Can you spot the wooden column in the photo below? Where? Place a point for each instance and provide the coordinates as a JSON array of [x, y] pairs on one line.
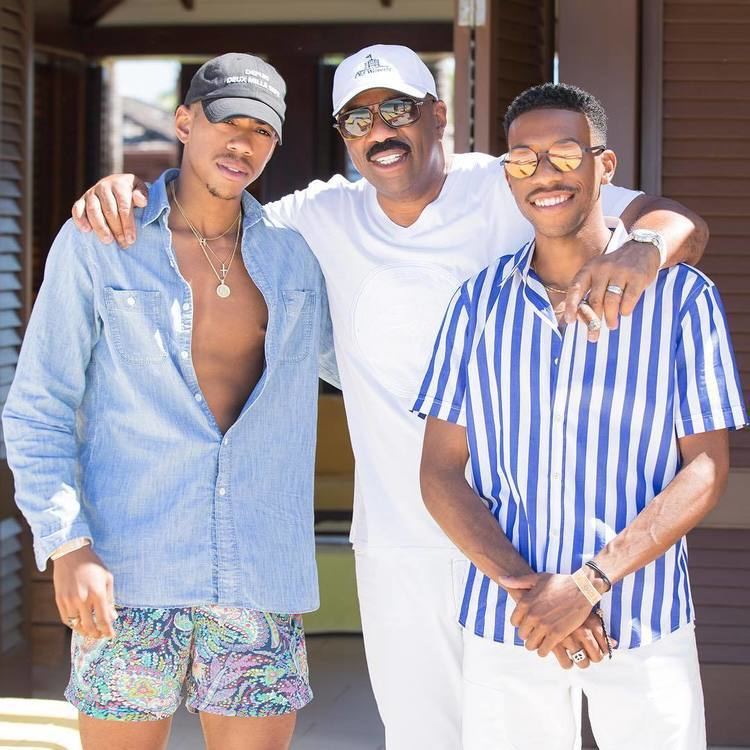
[[615, 77], [293, 165]]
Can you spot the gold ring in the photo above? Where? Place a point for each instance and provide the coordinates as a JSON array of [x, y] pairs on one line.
[[73, 622]]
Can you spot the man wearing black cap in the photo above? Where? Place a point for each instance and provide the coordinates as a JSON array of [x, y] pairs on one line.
[[137, 429], [236, 85]]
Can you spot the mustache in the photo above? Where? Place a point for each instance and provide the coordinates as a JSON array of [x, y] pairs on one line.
[[550, 189], [235, 159], [388, 145]]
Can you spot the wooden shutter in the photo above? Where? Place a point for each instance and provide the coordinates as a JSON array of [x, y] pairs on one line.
[[15, 83], [706, 150], [502, 47], [15, 87]]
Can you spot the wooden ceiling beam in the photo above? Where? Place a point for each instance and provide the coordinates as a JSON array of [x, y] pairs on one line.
[[90, 12], [308, 39]]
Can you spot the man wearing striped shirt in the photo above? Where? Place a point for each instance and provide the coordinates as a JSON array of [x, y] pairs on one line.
[[588, 463]]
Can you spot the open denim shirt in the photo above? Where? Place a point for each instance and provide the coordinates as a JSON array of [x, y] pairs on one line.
[[109, 436]]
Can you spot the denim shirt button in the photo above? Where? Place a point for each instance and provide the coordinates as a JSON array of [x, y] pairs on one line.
[[198, 397], [222, 491], [186, 306]]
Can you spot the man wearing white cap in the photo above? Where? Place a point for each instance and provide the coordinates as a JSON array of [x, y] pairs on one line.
[[393, 248]]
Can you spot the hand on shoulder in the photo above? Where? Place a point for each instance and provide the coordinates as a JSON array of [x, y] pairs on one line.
[[107, 208]]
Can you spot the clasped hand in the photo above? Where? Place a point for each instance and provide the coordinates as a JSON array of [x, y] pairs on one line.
[[553, 616]]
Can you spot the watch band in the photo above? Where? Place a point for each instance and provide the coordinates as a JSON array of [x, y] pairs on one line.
[[654, 238]]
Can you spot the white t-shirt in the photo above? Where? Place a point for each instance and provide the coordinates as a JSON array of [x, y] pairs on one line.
[[388, 288]]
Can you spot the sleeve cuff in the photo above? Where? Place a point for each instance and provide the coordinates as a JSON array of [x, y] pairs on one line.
[[74, 544], [733, 417], [45, 546], [439, 410]]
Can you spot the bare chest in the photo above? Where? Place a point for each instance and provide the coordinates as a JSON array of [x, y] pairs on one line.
[[228, 332]]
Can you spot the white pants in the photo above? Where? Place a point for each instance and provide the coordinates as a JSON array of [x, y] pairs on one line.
[[648, 698], [409, 599]]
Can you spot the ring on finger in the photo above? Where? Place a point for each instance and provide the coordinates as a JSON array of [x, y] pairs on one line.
[[615, 289], [577, 656], [73, 622], [588, 316]]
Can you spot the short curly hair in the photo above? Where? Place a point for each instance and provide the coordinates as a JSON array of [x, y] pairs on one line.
[[559, 96]]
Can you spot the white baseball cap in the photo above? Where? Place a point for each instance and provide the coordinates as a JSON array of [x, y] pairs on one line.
[[382, 66]]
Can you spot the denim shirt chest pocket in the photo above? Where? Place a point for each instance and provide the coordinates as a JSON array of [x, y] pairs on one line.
[[136, 323], [296, 330]]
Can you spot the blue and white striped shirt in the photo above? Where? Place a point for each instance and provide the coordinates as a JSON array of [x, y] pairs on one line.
[[570, 440]]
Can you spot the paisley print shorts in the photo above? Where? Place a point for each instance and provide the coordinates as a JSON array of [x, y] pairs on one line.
[[226, 660]]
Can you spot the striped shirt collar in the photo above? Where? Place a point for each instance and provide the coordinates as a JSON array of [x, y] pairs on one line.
[[521, 263]]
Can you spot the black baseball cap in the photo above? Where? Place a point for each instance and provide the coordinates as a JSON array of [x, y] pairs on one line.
[[239, 85]]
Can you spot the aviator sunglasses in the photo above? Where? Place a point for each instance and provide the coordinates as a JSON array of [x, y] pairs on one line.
[[564, 156], [396, 113]]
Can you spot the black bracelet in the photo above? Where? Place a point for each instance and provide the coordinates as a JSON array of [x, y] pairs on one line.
[[600, 615], [600, 573]]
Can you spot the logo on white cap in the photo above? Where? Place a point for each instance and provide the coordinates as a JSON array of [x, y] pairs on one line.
[[372, 65]]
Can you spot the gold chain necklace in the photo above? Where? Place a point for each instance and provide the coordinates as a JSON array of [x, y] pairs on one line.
[[195, 231], [551, 288], [222, 289]]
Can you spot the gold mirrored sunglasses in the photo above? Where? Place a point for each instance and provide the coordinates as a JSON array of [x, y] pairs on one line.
[[565, 156]]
